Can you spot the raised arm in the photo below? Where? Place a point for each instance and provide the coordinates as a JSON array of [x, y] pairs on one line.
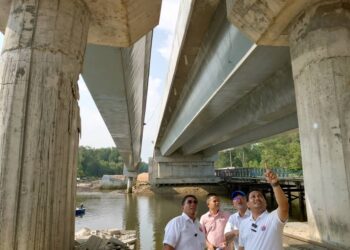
[[281, 199]]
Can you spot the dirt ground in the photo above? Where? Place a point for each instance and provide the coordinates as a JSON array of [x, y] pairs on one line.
[[88, 186], [200, 190]]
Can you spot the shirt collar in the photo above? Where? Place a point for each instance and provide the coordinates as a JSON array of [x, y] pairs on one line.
[[260, 216], [186, 217], [214, 215], [247, 213]]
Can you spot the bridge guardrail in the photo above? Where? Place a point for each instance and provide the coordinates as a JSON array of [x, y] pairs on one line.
[[257, 172]]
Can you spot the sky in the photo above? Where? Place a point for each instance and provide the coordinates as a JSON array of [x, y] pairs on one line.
[[94, 131]]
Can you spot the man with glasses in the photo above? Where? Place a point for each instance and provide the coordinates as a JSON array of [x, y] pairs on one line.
[[213, 223], [263, 230], [239, 202], [184, 231]]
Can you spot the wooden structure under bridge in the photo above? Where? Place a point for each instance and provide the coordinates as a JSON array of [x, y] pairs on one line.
[[248, 179]]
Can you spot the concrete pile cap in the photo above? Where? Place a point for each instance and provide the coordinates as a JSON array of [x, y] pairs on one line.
[[118, 23], [265, 22]]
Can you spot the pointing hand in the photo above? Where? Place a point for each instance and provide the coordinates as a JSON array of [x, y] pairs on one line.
[[271, 177]]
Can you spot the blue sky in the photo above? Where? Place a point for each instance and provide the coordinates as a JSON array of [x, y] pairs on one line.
[[94, 131]]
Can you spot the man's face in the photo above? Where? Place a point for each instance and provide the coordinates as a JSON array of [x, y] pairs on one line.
[[190, 207], [239, 202], [256, 201], [214, 203]]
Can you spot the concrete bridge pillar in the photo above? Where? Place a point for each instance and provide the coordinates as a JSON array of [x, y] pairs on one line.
[[320, 50], [180, 169], [40, 63], [131, 178], [318, 33], [129, 184]]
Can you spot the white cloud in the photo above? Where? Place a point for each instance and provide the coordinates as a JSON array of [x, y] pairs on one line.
[[165, 49], [154, 99], [168, 15], [94, 131], [82, 87], [166, 27], [167, 23]]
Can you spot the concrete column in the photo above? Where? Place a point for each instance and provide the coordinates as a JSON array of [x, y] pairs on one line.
[[39, 122], [180, 169], [320, 51], [129, 184], [131, 177]]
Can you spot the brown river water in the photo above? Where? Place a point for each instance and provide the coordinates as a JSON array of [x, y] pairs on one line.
[[148, 214]]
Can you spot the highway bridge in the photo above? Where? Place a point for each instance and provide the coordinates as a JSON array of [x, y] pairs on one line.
[[240, 70], [244, 70]]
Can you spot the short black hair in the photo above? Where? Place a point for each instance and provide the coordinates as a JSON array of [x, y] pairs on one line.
[[186, 197], [210, 195]]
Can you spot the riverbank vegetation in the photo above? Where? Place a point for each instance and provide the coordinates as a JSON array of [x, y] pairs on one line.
[[281, 151], [96, 162]]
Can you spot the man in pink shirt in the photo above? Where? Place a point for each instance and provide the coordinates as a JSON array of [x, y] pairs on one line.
[[213, 223]]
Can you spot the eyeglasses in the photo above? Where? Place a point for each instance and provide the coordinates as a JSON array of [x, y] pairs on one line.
[[191, 201], [254, 227]]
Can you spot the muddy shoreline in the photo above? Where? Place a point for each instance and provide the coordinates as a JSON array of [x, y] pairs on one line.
[[200, 190], [144, 188]]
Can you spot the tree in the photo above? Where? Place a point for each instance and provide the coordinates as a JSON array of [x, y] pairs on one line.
[[143, 168], [97, 162], [283, 151], [280, 151]]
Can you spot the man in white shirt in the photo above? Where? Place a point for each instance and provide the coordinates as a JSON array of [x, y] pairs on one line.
[[184, 231], [239, 202], [263, 230]]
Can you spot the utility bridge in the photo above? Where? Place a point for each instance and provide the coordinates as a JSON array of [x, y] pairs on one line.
[[240, 70]]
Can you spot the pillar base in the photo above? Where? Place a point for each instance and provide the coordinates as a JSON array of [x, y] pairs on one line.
[[181, 170], [131, 177], [320, 51]]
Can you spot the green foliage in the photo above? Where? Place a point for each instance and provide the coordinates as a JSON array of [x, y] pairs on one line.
[[97, 162], [143, 168], [228, 159], [281, 151]]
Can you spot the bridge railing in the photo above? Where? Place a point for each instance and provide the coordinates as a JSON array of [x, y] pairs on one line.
[[256, 173]]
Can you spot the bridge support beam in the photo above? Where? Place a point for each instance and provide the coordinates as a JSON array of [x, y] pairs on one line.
[[179, 170], [131, 179], [320, 51], [40, 63], [318, 33], [129, 184]]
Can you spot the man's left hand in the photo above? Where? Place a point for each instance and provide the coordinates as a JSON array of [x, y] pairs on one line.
[[271, 177]]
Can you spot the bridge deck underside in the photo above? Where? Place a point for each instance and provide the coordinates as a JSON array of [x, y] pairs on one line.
[[231, 95]]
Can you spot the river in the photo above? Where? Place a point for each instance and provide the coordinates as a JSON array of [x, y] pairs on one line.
[[148, 214]]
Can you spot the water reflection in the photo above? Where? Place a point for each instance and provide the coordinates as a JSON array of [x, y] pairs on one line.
[[147, 214], [103, 210]]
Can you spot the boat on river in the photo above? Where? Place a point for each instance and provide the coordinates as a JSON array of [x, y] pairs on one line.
[[80, 211]]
